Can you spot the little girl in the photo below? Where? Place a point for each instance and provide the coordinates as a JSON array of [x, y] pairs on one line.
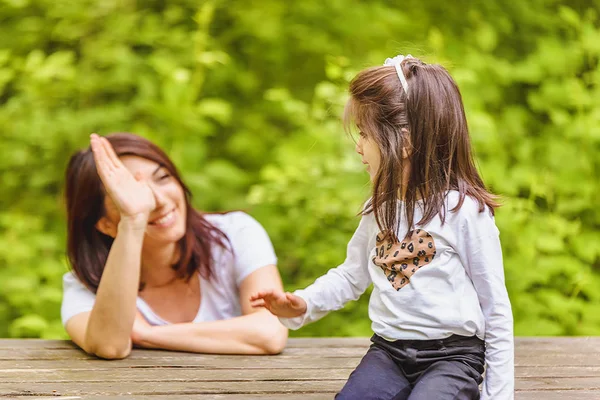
[[427, 241]]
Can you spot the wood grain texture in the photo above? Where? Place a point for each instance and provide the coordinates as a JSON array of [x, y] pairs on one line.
[[311, 369]]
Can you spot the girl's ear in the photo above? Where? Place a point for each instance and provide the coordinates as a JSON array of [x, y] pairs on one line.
[[407, 148], [104, 225]]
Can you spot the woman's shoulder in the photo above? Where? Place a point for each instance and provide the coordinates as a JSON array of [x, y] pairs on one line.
[[230, 221], [71, 283], [236, 225], [249, 241], [70, 279]]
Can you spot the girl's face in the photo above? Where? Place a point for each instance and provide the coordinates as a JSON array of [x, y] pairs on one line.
[[370, 154], [167, 222]]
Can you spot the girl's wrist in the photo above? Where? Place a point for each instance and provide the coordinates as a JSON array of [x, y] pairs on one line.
[[304, 307]]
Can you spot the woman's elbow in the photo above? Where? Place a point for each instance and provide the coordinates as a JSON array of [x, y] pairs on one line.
[[275, 340], [111, 352]]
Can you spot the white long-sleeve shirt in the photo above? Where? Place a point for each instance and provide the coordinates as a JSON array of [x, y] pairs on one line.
[[443, 280]]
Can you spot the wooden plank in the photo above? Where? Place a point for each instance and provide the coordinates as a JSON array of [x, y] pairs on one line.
[[591, 360], [281, 361], [170, 375], [65, 377], [139, 354], [330, 342], [527, 395], [556, 383], [542, 386], [35, 344], [236, 374], [165, 388], [552, 340], [292, 343], [555, 371], [558, 395], [265, 396], [523, 356], [213, 362], [534, 395]]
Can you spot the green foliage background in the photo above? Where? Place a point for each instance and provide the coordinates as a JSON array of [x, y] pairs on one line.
[[246, 98]]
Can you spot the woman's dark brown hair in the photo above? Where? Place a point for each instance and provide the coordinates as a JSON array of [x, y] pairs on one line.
[[436, 137], [88, 248]]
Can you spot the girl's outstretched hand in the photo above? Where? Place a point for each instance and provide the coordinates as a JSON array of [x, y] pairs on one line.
[[133, 197], [285, 305]]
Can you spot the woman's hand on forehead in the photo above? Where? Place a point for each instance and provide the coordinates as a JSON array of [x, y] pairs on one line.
[[132, 196]]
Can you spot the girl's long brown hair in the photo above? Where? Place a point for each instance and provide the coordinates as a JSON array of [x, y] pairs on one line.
[[88, 248], [436, 137]]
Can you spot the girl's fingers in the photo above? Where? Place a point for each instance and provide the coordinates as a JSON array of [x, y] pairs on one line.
[[293, 299], [258, 303], [258, 295], [269, 298], [264, 294]]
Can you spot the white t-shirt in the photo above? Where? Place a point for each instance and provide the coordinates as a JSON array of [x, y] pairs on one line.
[[220, 297], [443, 280]]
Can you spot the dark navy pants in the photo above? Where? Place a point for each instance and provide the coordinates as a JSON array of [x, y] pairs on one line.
[[446, 369]]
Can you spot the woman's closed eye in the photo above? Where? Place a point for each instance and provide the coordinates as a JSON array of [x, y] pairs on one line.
[[162, 176]]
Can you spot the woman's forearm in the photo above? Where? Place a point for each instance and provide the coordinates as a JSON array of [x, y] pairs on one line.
[[256, 333], [109, 327]]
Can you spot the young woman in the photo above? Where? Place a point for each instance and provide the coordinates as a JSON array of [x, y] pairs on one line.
[[427, 241], [150, 270]]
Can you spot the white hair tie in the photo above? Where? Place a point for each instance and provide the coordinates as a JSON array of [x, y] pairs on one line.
[[396, 61]]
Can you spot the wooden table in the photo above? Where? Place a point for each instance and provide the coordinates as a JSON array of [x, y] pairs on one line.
[[309, 369]]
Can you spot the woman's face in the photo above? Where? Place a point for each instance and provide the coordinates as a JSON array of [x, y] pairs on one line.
[[167, 222]]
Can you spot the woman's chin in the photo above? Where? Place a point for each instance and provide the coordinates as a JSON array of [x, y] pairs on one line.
[[165, 236]]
